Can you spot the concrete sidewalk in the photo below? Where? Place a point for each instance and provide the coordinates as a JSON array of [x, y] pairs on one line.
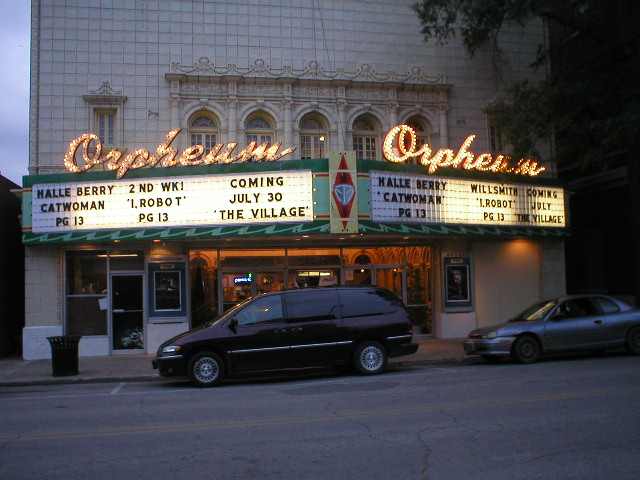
[[15, 371]]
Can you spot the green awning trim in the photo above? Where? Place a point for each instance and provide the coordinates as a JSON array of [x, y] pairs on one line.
[[311, 228], [368, 227]]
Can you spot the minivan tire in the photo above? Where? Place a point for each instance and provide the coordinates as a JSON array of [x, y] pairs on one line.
[[370, 358], [205, 369]]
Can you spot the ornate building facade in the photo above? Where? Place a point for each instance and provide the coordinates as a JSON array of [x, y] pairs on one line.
[[323, 79]]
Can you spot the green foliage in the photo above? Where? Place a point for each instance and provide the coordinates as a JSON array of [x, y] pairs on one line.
[[588, 100], [478, 20]]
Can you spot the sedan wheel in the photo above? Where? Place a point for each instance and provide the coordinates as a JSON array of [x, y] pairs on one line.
[[632, 343], [526, 350], [205, 369], [370, 358]]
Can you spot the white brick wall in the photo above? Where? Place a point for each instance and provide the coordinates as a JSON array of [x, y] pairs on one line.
[[42, 287], [43, 301]]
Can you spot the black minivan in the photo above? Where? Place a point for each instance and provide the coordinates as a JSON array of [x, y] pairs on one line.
[[318, 326]]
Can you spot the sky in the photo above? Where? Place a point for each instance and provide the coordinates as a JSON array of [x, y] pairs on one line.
[[14, 89]]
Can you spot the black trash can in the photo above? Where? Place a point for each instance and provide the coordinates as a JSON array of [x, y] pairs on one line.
[[64, 355]]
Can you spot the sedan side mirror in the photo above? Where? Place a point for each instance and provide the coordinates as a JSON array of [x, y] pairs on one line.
[[559, 316]]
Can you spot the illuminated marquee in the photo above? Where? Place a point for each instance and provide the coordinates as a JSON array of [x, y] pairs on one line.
[[165, 155], [412, 198], [400, 145], [189, 201]]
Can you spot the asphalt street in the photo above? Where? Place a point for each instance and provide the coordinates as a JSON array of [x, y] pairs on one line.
[[574, 417]]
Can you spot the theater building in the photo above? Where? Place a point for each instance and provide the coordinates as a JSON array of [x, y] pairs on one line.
[[187, 156]]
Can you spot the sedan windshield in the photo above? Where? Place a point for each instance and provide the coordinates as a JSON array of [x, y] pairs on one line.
[[535, 312]]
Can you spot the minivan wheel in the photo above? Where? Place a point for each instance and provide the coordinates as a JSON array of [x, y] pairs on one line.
[[370, 358], [632, 343], [205, 369]]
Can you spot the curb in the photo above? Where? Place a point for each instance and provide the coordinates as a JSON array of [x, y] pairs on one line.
[[72, 380]]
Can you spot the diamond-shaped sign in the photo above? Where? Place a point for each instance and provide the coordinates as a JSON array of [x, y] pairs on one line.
[[344, 193]]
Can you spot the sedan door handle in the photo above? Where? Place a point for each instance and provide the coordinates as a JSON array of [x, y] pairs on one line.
[[280, 330], [597, 321], [297, 329]]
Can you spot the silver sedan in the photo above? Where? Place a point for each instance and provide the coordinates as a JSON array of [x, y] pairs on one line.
[[572, 322]]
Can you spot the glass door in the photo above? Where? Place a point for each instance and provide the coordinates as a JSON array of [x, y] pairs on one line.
[[358, 276], [388, 276], [419, 299], [127, 312], [392, 278]]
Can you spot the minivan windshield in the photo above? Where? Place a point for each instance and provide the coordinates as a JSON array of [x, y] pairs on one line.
[[535, 312], [229, 313]]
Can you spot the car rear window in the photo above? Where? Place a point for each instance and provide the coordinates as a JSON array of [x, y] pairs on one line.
[[361, 302], [312, 305], [606, 305], [578, 307]]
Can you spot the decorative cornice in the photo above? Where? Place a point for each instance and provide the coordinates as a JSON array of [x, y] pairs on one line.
[[312, 71], [105, 88], [105, 94]]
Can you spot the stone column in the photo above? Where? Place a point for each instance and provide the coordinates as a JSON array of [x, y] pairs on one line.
[[287, 105], [392, 107], [174, 100], [444, 131], [342, 119], [175, 113], [232, 115]]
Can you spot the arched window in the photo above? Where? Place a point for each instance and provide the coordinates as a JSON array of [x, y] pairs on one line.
[[203, 130], [313, 137], [362, 259], [366, 137], [259, 128], [422, 128]]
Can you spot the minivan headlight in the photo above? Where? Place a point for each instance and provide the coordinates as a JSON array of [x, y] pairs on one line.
[[170, 349], [491, 335]]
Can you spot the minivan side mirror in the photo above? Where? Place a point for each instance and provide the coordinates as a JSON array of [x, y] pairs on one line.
[[233, 324]]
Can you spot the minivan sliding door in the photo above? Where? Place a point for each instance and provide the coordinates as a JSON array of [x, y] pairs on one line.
[[314, 326]]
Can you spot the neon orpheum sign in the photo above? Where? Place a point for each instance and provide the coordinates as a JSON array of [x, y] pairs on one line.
[[400, 144], [165, 155]]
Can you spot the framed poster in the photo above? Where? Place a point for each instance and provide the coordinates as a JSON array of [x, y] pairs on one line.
[[167, 294], [167, 287], [457, 285]]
